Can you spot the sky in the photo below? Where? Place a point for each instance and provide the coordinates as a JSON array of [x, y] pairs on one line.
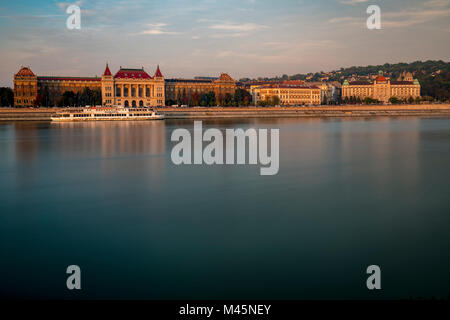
[[245, 38]]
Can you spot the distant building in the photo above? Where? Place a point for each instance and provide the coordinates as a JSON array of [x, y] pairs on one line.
[[382, 88], [289, 95], [178, 90]]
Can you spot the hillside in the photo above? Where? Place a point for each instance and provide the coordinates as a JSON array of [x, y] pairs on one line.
[[434, 76]]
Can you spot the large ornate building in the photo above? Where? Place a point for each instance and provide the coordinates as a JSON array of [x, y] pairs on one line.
[[29, 88], [180, 90], [132, 88], [382, 89], [128, 87], [289, 95]]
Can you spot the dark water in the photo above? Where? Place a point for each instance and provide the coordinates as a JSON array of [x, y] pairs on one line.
[[105, 196]]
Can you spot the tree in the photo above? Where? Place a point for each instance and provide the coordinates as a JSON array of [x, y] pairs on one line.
[[394, 100], [242, 97], [6, 97], [204, 100], [229, 100], [212, 99], [194, 99], [275, 101]]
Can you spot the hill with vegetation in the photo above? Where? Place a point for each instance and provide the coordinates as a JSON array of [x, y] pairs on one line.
[[434, 76]]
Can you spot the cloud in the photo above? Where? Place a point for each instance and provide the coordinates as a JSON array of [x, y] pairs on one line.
[[234, 30], [65, 5], [157, 29], [352, 2], [426, 12], [245, 27]]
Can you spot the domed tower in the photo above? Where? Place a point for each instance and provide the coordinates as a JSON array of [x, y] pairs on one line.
[[25, 88], [108, 96], [408, 77]]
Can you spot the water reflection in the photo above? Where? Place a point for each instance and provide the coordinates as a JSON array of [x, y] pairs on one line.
[[111, 138], [350, 192]]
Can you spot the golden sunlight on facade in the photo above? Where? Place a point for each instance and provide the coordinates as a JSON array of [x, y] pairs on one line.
[[132, 88], [382, 89], [178, 90], [289, 95]]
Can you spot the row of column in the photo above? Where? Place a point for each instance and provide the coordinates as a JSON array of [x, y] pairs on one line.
[[121, 89]]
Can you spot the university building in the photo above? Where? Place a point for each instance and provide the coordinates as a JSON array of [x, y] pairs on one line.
[[28, 87], [382, 88], [128, 87], [289, 95], [180, 90], [132, 88]]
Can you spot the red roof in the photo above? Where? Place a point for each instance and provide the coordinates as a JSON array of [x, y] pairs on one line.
[[225, 77], [25, 72], [132, 74], [51, 78], [287, 86], [294, 82], [158, 73], [381, 78], [402, 82], [107, 71]]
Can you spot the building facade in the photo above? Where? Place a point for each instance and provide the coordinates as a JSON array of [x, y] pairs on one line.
[[128, 87], [25, 87], [289, 95], [179, 91], [132, 88], [382, 89]]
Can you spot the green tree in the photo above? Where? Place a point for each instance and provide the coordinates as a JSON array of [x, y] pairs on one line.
[[6, 97], [212, 99], [394, 100], [242, 97], [275, 101]]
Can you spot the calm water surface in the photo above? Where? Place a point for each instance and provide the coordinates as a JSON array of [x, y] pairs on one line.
[[106, 196]]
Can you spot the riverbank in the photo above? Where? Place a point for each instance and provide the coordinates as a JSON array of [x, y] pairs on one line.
[[44, 114]]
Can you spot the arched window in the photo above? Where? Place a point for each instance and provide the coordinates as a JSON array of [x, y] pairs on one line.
[[133, 104], [141, 103], [126, 104]]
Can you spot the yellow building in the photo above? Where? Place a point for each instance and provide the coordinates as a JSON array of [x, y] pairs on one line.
[[30, 90], [132, 88], [182, 90], [25, 87], [289, 95], [382, 89]]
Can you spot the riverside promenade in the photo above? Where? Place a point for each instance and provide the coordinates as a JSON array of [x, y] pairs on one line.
[[442, 110]]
